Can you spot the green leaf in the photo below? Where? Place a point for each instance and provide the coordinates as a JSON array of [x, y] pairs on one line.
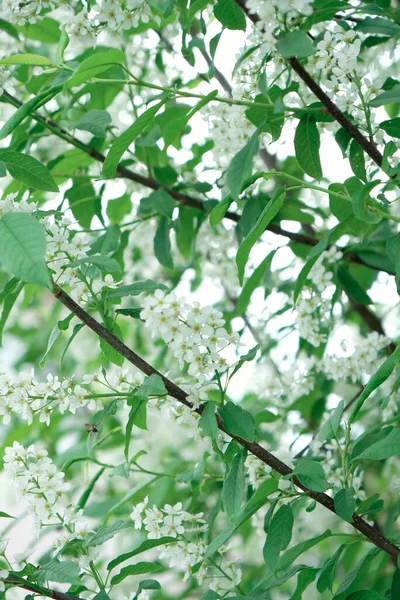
[[140, 287], [253, 282], [395, 587], [95, 121], [237, 421], [295, 43], [152, 386], [122, 143], [109, 351], [104, 263], [393, 252], [345, 505], [146, 545], [45, 30], [162, 202], [105, 533], [147, 584], [382, 373], [208, 420], [241, 167], [9, 302], [234, 484], [61, 47], [86, 494], [253, 505], [311, 474], [279, 535], [388, 97], [4, 515], [54, 336], [22, 248], [27, 109], [28, 170], [327, 573], [322, 245], [219, 210], [230, 15], [307, 144], [392, 127], [389, 446], [137, 416], [293, 553], [352, 287], [353, 576], [94, 65], [357, 161], [26, 59], [329, 429], [378, 26], [60, 572], [138, 569], [251, 354], [162, 243], [269, 212], [82, 198]]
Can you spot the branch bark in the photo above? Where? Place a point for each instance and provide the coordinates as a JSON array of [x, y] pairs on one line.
[[39, 590], [254, 448]]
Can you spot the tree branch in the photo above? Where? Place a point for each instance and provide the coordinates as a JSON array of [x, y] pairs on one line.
[[39, 590], [367, 145], [184, 199], [254, 448]]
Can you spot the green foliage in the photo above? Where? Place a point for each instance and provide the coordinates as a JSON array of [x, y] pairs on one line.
[[22, 248], [238, 421], [306, 144], [269, 212], [296, 43], [28, 171]]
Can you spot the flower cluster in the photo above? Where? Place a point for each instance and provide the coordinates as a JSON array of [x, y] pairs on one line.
[[26, 397], [189, 548], [312, 309], [110, 15], [196, 335], [359, 364], [42, 486], [22, 13]]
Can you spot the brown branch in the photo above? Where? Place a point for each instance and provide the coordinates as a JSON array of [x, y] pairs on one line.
[[184, 199], [367, 145], [39, 590], [254, 448]]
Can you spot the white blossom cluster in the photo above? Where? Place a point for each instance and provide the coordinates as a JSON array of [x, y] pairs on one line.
[[42, 486], [312, 317], [62, 248], [312, 309], [23, 12], [77, 19], [111, 16], [189, 548], [195, 334], [362, 362], [257, 471], [24, 396], [230, 130]]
